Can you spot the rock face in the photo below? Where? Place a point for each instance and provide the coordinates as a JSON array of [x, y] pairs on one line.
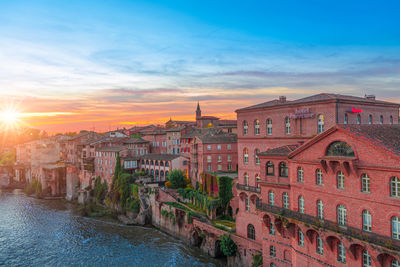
[[144, 216]]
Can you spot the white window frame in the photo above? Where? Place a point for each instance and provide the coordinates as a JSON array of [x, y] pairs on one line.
[[285, 200], [301, 204], [271, 198], [365, 183], [340, 180], [366, 221]]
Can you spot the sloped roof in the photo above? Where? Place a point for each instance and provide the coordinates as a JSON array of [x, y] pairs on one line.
[[111, 149], [218, 138], [279, 151], [175, 129], [136, 141], [317, 98], [383, 136]]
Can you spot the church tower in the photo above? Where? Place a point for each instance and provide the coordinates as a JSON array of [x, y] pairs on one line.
[[198, 111]]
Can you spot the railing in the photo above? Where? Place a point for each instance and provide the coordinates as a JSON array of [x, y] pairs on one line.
[[384, 241], [248, 188]]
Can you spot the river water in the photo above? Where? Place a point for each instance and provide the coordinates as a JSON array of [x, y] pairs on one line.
[[37, 232]]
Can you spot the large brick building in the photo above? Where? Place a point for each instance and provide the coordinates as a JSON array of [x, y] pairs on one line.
[[292, 169]]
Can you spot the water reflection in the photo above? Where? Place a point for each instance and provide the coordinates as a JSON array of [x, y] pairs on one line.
[[50, 233]]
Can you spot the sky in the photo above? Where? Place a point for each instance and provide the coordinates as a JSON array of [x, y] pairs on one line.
[[99, 65]]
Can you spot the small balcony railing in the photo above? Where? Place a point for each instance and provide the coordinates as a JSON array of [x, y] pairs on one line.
[[384, 241], [248, 188]]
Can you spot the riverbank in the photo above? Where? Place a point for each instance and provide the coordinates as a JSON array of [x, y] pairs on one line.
[[38, 232]]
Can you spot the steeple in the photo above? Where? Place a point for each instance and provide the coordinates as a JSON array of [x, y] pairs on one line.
[[198, 111]]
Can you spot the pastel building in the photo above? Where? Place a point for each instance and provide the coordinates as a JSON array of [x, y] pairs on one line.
[[158, 166]]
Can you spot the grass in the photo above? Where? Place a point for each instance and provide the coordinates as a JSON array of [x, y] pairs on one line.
[[224, 225]]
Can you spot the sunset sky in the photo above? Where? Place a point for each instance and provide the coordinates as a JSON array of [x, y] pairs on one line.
[[71, 65]]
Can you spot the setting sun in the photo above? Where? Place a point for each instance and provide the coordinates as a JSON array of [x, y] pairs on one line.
[[9, 119]]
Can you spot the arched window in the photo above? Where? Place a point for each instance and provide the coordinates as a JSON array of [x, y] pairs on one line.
[[320, 209], [245, 128], [157, 173], [162, 163], [320, 245], [270, 170], [365, 183], [370, 119], [272, 264], [301, 204], [167, 164], [320, 124], [339, 149], [166, 174], [300, 174], [358, 119], [247, 203], [151, 163], [152, 173], [162, 175], [156, 162], [366, 259], [341, 215], [395, 187], [396, 227], [251, 233], [147, 162], [341, 254], [272, 251], [301, 238], [246, 179], [287, 125], [285, 200], [256, 127], [319, 177], [340, 180], [283, 169], [391, 119], [271, 198], [269, 126], [246, 156], [381, 119], [256, 158], [395, 263], [346, 118], [367, 221]]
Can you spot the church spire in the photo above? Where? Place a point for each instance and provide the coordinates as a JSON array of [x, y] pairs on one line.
[[198, 111]]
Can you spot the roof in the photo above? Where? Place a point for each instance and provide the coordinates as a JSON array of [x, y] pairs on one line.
[[111, 149], [383, 136], [208, 118], [131, 158], [175, 129], [227, 122], [221, 138], [318, 98], [279, 151], [136, 141], [160, 156]]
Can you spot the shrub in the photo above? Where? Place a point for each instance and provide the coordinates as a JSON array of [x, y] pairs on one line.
[[228, 246], [257, 260], [177, 179], [100, 190], [133, 204]]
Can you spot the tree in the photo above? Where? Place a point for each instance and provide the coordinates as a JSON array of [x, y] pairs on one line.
[[117, 170], [228, 246], [177, 178], [225, 190]]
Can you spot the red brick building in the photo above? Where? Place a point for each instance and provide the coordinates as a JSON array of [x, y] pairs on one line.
[[270, 151]]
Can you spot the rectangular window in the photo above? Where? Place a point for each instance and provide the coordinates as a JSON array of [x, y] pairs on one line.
[[219, 158], [229, 167], [219, 147], [228, 147], [220, 167], [209, 147], [209, 167], [229, 158], [209, 159]]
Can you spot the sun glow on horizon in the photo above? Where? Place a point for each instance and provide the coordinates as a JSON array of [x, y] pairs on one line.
[[10, 119]]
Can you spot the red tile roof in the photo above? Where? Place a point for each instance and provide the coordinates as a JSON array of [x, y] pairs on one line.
[[279, 151]]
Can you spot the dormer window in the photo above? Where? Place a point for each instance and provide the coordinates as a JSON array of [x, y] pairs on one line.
[[339, 149]]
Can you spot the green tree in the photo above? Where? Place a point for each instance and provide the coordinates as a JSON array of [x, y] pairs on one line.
[[117, 170], [135, 136], [228, 246], [177, 179], [225, 190], [100, 189]]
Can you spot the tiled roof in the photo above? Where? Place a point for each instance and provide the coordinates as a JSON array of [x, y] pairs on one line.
[[221, 138], [279, 151], [175, 129], [227, 122], [136, 141], [384, 136], [111, 149], [317, 98], [160, 156], [208, 118]]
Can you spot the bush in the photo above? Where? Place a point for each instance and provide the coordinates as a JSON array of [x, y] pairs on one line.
[[100, 190], [177, 179], [257, 260], [228, 246], [133, 204]]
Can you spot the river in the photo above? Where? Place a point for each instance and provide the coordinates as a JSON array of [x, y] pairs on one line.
[[36, 232]]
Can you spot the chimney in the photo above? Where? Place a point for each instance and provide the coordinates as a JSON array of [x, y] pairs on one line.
[[282, 98], [370, 97]]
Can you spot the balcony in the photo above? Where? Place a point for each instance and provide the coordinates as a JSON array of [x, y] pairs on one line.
[[248, 188], [380, 240]]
